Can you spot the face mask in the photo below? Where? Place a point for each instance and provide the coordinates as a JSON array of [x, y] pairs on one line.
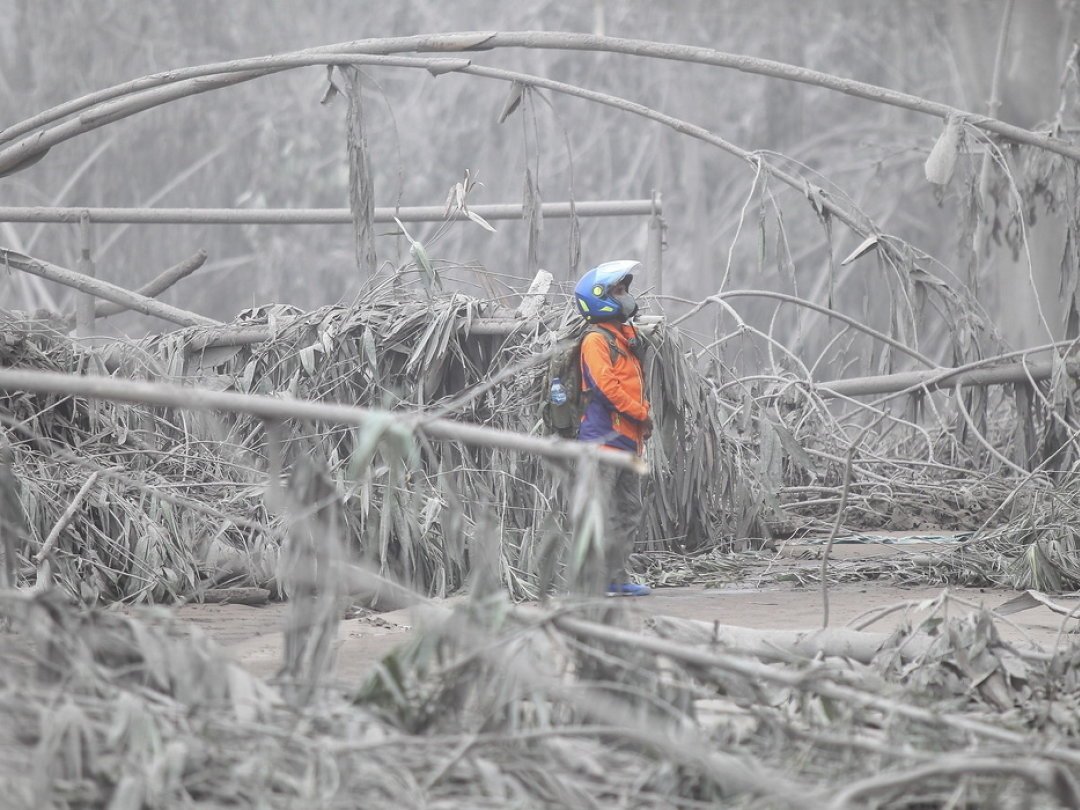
[[628, 304]]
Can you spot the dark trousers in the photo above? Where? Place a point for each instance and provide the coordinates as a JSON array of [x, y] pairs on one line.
[[623, 510]]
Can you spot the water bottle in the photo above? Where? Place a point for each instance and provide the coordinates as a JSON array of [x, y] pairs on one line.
[[558, 392]]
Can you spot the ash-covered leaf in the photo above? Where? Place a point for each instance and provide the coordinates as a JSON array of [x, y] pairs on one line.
[[942, 160], [332, 90], [513, 101]]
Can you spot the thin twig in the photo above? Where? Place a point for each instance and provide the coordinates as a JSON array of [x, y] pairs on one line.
[[849, 463], [979, 437], [65, 519]]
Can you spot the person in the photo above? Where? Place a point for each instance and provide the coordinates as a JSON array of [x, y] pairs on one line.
[[617, 414]]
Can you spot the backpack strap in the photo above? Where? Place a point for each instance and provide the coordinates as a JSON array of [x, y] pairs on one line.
[[612, 341], [613, 348]]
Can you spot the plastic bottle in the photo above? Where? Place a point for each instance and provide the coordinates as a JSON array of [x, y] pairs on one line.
[[558, 392]]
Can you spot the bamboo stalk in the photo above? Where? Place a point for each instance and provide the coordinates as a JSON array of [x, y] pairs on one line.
[[102, 289], [994, 102], [931, 380], [847, 215], [32, 148], [273, 408]]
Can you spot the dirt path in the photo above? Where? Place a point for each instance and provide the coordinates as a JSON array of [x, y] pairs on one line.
[[252, 635]]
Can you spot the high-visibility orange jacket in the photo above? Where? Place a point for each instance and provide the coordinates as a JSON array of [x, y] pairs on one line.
[[616, 390]]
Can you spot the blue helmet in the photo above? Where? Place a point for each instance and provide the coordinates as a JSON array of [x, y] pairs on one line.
[[593, 292]]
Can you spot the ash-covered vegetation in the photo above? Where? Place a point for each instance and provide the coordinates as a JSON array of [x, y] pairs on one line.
[[863, 318]]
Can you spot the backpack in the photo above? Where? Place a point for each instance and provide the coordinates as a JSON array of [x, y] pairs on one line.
[[565, 419]]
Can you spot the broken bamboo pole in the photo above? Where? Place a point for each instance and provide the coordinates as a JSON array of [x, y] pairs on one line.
[[156, 285], [102, 289]]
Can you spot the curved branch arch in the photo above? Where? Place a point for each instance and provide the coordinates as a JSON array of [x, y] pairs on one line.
[[106, 106], [121, 105], [472, 41], [32, 148]]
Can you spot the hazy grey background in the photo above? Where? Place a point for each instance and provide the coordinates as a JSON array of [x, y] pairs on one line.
[[270, 142]]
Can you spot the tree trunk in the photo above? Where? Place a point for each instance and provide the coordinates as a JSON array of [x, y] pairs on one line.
[[1024, 298]]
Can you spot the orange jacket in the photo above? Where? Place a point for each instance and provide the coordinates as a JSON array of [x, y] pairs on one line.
[[617, 405]]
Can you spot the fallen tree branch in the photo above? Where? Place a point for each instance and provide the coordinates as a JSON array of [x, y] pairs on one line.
[[102, 289], [1021, 372], [275, 408]]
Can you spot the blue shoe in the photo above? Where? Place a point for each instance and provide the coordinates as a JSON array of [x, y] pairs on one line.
[[628, 589]]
